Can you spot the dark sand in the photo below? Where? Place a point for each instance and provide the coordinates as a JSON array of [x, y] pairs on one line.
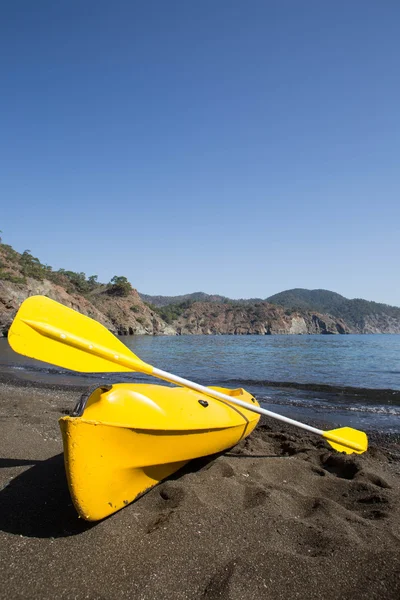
[[279, 516]]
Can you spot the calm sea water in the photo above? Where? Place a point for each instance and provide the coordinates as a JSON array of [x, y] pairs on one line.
[[342, 380]]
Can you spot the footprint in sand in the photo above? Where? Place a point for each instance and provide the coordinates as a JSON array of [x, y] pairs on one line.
[[318, 471], [288, 445], [171, 495], [365, 499], [160, 521], [372, 505], [374, 479], [222, 469], [377, 514], [315, 543], [254, 495], [373, 499], [341, 466], [218, 586]]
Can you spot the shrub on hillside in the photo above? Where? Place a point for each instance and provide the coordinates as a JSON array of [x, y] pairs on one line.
[[119, 286]]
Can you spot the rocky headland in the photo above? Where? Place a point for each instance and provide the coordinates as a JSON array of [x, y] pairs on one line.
[[120, 308]]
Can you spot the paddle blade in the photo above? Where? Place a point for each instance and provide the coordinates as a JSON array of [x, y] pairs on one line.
[[347, 440], [51, 332]]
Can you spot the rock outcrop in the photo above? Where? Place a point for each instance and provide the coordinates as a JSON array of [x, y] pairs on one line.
[[260, 319], [122, 310], [122, 316], [130, 315]]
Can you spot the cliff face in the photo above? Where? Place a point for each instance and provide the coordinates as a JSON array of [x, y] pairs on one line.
[[264, 319], [260, 319], [122, 310], [295, 311], [12, 295], [23, 275], [128, 315], [380, 324], [362, 316]]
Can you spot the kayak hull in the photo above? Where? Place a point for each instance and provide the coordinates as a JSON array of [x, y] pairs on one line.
[[129, 437]]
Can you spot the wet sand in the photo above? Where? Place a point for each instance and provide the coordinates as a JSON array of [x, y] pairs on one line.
[[279, 516]]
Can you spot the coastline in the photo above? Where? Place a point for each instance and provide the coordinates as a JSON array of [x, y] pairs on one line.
[[278, 516]]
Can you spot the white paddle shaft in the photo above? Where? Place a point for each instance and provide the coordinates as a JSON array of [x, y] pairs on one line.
[[36, 348], [214, 394], [134, 363]]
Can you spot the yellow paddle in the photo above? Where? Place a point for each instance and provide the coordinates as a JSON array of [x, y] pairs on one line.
[[46, 330]]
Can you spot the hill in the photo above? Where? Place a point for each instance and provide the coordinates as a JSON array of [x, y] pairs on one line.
[[358, 313], [299, 298], [160, 301], [115, 304], [119, 307]]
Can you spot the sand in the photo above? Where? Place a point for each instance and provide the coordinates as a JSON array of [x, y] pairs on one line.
[[279, 516]]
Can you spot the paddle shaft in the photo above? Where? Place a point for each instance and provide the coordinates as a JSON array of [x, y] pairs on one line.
[[333, 437], [75, 341], [133, 363], [220, 396]]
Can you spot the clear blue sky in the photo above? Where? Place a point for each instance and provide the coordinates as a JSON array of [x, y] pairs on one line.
[[232, 147]]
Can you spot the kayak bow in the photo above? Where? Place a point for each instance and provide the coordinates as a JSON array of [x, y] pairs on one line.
[[127, 438]]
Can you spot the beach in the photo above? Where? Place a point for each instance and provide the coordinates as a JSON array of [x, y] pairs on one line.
[[278, 516]]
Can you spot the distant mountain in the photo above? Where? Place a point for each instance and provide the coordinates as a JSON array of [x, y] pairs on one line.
[[349, 316], [358, 313], [161, 301], [119, 307], [321, 300]]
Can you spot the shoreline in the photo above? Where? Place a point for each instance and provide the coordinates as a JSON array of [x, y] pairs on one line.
[[278, 516], [73, 393]]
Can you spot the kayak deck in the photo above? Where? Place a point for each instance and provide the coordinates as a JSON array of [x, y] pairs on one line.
[[128, 437]]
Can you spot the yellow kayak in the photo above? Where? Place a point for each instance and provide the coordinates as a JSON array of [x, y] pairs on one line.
[[124, 439]]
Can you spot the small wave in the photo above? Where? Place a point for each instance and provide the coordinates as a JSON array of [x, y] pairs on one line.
[[58, 371], [378, 410], [389, 396], [35, 369], [327, 407]]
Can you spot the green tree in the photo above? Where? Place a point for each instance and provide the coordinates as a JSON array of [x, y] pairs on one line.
[[119, 286], [31, 266]]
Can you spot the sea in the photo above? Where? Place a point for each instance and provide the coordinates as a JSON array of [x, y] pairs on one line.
[[338, 380]]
